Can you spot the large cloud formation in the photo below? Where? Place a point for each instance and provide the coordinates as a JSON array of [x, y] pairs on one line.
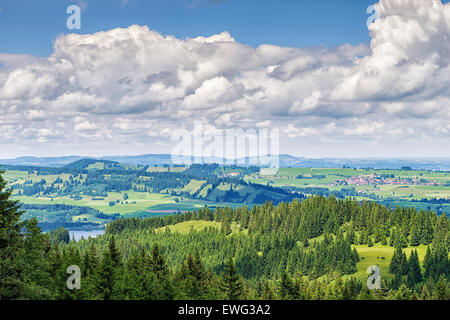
[[131, 87]]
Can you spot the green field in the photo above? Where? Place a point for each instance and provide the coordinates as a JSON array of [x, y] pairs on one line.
[[188, 226], [381, 256], [377, 255], [404, 186], [136, 202], [14, 177], [289, 176], [193, 186], [144, 205]]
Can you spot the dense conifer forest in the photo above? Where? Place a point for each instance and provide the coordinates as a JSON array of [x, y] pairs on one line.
[[302, 249]]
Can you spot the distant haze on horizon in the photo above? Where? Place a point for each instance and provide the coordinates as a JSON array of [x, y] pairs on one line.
[[331, 151]]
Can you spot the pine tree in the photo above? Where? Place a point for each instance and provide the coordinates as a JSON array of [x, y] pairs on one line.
[[355, 255], [428, 264], [404, 265], [11, 244], [427, 231], [232, 282], [401, 240], [190, 279], [196, 268], [415, 235], [114, 253], [287, 289], [267, 293], [226, 227], [106, 278], [351, 235], [90, 260], [393, 238], [440, 247], [440, 233], [442, 289], [90, 269], [357, 239], [36, 264], [427, 290], [384, 240], [414, 272], [157, 263], [133, 283], [364, 237], [158, 266], [399, 263]]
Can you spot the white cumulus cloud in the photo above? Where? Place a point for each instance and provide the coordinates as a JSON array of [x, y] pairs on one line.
[[131, 86]]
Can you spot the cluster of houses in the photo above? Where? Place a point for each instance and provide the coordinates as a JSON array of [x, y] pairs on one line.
[[374, 179], [231, 174]]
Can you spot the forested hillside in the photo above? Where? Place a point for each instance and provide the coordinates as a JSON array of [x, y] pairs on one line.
[[112, 189], [299, 250]]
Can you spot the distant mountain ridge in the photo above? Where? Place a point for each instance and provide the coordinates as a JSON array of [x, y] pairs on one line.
[[285, 161], [42, 161], [85, 163]]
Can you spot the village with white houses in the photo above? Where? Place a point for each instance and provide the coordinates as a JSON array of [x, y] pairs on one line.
[[376, 179]]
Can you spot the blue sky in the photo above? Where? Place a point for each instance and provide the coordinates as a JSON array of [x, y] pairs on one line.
[[29, 26], [303, 67]]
